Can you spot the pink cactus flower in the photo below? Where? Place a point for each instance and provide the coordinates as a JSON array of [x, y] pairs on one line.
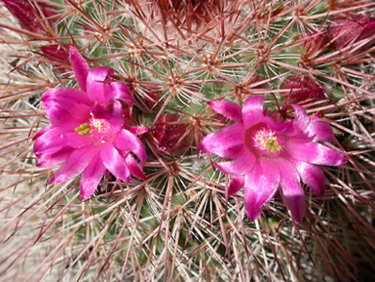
[[345, 31], [267, 155], [90, 130]]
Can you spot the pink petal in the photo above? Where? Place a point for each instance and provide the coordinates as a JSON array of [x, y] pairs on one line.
[[114, 162], [77, 141], [239, 166], [301, 120], [286, 127], [43, 130], [228, 109], [64, 107], [293, 192], [261, 185], [91, 177], [50, 142], [118, 91], [236, 184], [134, 168], [96, 84], [114, 115], [228, 142], [311, 175], [76, 162], [319, 131], [137, 130], [252, 111], [61, 94], [314, 153], [50, 160], [125, 141], [80, 67]]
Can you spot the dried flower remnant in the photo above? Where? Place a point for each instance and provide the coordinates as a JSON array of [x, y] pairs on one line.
[[301, 88], [267, 154], [169, 134], [90, 130], [345, 31], [187, 13]]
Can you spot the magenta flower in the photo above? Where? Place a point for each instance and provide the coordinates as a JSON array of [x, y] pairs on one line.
[[89, 131], [267, 154]]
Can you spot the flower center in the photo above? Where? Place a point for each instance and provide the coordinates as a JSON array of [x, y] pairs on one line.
[[98, 128], [264, 141], [100, 125]]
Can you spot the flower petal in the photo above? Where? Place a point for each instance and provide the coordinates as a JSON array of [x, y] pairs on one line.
[[311, 175], [319, 131], [239, 166], [228, 142], [77, 141], [314, 153], [301, 120], [80, 67], [44, 130], [66, 107], [50, 160], [61, 94], [252, 111], [137, 130], [50, 142], [113, 114], [261, 185], [228, 109], [293, 192], [114, 162], [96, 84], [125, 141], [91, 177], [236, 184], [134, 168], [118, 91], [76, 162]]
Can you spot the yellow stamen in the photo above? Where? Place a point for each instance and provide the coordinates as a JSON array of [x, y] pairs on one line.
[[272, 145], [83, 129]]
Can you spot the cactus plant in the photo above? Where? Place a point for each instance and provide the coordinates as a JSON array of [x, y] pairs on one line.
[[178, 63]]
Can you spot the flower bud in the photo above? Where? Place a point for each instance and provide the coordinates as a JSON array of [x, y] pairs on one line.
[[168, 134], [301, 88], [345, 31], [24, 13]]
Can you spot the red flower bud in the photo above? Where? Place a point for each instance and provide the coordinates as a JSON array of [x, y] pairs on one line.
[[344, 31], [56, 52], [168, 132], [28, 17], [25, 14], [301, 88], [152, 99]]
